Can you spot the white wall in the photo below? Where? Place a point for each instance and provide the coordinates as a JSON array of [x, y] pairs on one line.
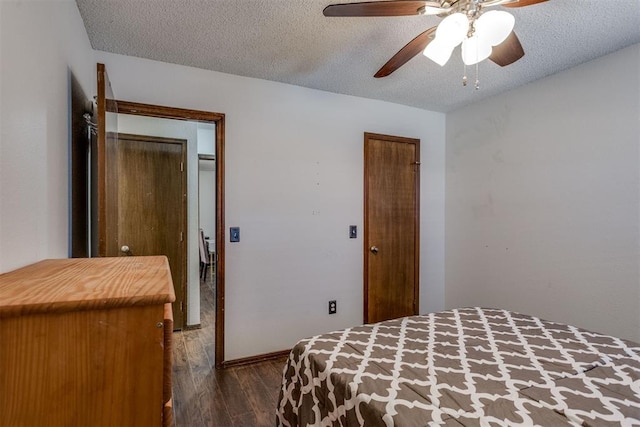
[[182, 130], [294, 183], [543, 198], [206, 138], [41, 43]]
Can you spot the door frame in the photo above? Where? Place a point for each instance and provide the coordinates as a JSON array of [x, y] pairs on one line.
[[416, 217], [163, 112]]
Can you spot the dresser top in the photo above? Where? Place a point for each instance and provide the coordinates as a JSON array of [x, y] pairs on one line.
[[59, 285]]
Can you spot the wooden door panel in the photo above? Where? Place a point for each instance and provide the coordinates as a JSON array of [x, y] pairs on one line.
[[391, 226], [152, 205]]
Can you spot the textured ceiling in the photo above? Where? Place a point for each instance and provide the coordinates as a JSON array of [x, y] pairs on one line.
[[290, 41]]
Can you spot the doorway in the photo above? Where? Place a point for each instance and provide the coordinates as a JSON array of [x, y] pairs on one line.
[[212, 123], [391, 226]]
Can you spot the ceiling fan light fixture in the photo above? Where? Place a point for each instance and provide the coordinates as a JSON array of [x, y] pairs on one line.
[[453, 29], [494, 26], [475, 49], [438, 51]]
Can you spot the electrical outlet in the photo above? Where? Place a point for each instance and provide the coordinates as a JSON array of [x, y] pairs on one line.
[[353, 231], [333, 307]]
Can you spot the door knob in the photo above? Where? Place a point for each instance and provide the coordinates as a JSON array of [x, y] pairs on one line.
[[374, 249], [125, 249]]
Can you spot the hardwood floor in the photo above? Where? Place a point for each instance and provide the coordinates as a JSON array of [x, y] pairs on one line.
[[203, 396]]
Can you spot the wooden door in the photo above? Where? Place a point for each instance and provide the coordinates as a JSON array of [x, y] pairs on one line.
[[152, 205], [391, 226]]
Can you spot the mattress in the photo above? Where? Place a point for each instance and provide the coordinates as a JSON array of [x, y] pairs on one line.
[[462, 367]]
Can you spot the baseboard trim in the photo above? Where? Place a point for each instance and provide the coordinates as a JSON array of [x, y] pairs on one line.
[[255, 359]]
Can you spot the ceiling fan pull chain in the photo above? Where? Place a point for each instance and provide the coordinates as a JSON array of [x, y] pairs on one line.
[[464, 76]]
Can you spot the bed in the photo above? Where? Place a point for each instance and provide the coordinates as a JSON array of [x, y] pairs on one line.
[[462, 367]]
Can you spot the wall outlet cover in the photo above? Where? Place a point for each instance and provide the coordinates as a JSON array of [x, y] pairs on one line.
[[333, 307]]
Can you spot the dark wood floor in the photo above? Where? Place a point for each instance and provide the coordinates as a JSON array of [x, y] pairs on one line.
[[204, 396]]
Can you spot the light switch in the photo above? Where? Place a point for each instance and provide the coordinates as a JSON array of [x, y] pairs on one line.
[[353, 231], [234, 234]]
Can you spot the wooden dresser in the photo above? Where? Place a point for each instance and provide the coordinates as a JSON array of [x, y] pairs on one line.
[[86, 342]]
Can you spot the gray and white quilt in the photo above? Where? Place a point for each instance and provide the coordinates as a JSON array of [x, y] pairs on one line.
[[464, 367]]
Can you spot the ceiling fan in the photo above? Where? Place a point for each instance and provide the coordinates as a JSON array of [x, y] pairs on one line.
[[483, 34]]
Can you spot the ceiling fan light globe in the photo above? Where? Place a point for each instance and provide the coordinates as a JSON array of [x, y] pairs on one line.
[[475, 49], [438, 52], [453, 29], [495, 26]]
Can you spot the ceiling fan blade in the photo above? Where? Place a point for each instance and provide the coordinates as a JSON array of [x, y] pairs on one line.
[[410, 50], [523, 3], [507, 52], [381, 8]]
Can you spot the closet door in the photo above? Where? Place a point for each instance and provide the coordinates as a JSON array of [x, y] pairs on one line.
[[391, 243]]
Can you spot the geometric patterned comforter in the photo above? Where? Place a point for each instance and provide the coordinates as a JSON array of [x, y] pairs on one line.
[[464, 367]]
